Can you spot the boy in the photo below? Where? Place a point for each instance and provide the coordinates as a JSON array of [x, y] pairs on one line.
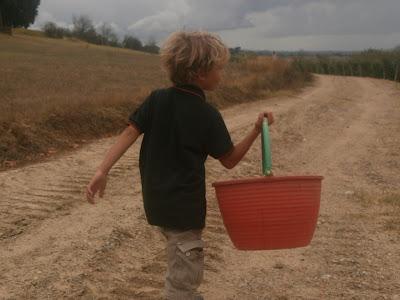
[[180, 130]]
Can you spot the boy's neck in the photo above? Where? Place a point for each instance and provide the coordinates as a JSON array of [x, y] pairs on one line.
[[194, 84], [192, 89]]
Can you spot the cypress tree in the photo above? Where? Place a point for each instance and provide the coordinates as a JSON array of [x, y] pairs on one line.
[[18, 13]]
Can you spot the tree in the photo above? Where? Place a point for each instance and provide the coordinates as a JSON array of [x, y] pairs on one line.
[[21, 13], [52, 30], [107, 35], [84, 29], [133, 43], [82, 25], [235, 51], [151, 46]]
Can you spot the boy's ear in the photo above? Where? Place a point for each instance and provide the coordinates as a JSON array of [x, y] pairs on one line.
[[201, 75]]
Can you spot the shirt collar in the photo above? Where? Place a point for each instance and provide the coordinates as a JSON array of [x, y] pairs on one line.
[[191, 89]]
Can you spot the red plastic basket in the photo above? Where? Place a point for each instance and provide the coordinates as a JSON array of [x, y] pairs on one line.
[[270, 212]]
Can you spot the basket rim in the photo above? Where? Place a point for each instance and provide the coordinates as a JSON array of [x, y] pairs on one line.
[[266, 179]]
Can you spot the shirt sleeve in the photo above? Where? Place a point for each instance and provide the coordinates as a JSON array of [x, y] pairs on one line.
[[140, 118], [219, 141]]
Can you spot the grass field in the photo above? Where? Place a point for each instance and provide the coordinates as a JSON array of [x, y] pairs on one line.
[[56, 94]]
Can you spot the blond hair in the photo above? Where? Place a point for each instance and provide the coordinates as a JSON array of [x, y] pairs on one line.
[[184, 54]]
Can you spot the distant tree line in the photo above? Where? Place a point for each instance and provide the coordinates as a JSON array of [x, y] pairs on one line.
[[17, 13], [239, 52], [383, 64], [84, 29]]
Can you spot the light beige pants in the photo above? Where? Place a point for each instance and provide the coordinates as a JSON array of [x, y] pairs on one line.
[[185, 259]]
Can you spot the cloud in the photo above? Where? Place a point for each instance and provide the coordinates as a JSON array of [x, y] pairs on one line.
[[45, 16], [206, 14], [121, 12], [330, 18], [192, 14], [243, 21], [162, 22]]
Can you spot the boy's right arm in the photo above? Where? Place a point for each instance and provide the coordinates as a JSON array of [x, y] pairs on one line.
[[231, 159], [124, 141], [239, 150], [98, 182]]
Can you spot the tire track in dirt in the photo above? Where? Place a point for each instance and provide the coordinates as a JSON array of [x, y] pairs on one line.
[[54, 245], [97, 246], [25, 202]]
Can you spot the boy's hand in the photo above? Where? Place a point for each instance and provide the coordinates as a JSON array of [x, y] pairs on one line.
[[261, 116], [98, 183]]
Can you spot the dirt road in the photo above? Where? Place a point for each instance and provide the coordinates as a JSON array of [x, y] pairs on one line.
[[54, 245]]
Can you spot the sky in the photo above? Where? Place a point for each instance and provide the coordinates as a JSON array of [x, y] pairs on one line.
[[250, 24]]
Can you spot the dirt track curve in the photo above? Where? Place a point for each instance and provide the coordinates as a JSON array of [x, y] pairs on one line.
[[54, 245]]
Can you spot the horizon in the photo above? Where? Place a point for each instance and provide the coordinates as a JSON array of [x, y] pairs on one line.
[[282, 50], [288, 25]]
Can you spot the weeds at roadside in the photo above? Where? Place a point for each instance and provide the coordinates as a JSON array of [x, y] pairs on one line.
[[384, 207]]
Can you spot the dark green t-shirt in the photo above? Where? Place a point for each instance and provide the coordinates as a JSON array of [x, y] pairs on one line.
[[180, 130]]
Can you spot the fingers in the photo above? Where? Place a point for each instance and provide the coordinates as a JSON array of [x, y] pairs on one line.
[[89, 195], [269, 116], [101, 192], [102, 188], [261, 117], [98, 183]]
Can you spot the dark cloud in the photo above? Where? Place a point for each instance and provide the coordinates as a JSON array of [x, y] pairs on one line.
[[238, 19], [330, 18]]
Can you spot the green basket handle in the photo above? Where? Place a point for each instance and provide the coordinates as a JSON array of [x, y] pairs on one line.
[[266, 149]]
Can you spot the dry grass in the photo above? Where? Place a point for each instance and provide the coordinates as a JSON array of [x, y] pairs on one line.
[[29, 32], [392, 200], [256, 78], [393, 204], [54, 94], [386, 208]]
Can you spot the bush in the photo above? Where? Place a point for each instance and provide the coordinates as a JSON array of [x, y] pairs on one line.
[[52, 30], [133, 43], [371, 63]]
